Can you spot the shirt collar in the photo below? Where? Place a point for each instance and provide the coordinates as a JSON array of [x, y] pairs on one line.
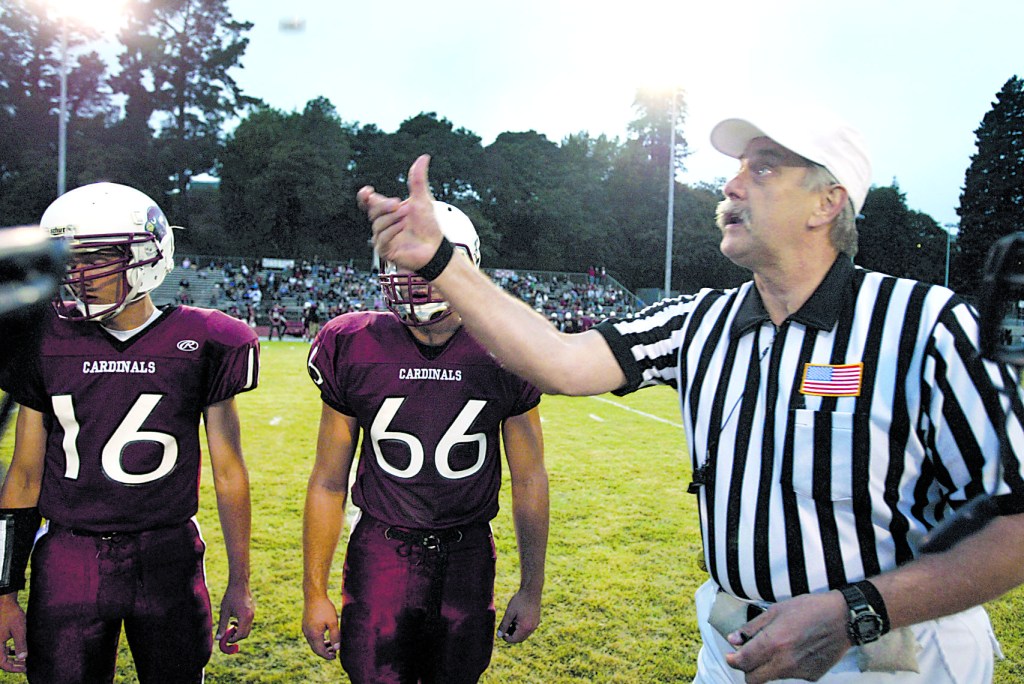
[[820, 311]]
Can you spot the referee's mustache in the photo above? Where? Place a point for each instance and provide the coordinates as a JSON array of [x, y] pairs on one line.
[[729, 211]]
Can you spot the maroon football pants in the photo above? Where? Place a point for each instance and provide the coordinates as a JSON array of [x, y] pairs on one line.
[[84, 587], [416, 614]]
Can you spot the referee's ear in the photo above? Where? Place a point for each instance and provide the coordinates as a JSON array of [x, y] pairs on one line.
[[831, 201]]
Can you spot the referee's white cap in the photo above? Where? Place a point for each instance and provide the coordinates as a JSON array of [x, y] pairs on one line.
[[810, 131]]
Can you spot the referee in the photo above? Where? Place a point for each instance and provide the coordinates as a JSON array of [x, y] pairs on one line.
[[833, 417]]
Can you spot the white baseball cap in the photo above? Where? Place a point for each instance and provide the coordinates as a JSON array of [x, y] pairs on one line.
[[813, 133]]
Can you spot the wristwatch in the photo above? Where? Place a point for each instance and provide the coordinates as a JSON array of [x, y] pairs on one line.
[[865, 624]]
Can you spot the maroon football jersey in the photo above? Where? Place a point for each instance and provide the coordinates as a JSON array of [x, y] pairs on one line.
[[122, 450], [430, 452]]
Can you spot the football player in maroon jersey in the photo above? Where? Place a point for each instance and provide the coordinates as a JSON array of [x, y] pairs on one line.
[[432, 404], [107, 451]]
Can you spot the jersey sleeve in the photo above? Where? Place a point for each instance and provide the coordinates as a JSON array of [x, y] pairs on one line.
[[325, 370], [647, 346], [233, 360], [528, 397], [22, 377], [23, 381], [975, 414]]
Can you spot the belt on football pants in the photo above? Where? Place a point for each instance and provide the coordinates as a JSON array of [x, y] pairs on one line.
[[427, 539], [78, 532]]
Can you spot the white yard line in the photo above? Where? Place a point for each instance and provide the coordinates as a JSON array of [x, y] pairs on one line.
[[633, 410]]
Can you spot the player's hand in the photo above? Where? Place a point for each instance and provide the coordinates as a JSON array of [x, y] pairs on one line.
[[321, 628], [404, 232], [800, 638], [522, 617], [12, 628], [237, 611]]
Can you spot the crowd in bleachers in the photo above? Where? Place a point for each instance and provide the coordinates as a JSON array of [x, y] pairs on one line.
[[271, 291]]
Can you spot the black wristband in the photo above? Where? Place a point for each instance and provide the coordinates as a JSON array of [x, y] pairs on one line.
[[877, 603], [437, 263], [19, 535]]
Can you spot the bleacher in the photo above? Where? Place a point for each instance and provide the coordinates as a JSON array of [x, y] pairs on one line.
[[334, 287]]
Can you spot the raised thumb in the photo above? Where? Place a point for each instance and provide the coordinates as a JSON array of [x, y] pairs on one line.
[[419, 183]]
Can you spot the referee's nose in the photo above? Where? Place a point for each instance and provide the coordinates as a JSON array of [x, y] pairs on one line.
[[735, 189]]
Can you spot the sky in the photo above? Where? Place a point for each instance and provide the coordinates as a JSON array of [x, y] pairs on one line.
[[916, 76]]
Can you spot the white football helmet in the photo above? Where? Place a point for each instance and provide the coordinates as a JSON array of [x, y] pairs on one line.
[[109, 216], [410, 297]]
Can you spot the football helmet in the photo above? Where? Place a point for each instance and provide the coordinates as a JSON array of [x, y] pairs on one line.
[[110, 219], [414, 300]]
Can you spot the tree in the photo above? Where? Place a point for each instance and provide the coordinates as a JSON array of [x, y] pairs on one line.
[[992, 201], [516, 177], [284, 185], [455, 156], [698, 260], [640, 185], [658, 112], [896, 240], [175, 72], [30, 63]]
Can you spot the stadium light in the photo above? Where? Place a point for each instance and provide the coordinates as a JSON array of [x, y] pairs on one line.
[[950, 227], [671, 193], [62, 122], [96, 12]]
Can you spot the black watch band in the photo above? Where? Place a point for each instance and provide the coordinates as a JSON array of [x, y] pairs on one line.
[[865, 625]]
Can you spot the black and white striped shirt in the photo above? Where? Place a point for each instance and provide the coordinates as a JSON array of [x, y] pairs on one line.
[[828, 446]]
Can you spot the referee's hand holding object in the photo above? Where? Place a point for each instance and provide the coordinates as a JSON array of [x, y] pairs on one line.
[[802, 637]]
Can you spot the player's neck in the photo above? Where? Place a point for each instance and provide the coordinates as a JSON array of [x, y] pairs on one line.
[[135, 315], [439, 333]]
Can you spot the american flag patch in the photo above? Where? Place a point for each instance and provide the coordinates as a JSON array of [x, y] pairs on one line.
[[832, 381]]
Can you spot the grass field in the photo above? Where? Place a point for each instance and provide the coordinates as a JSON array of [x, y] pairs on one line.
[[622, 558]]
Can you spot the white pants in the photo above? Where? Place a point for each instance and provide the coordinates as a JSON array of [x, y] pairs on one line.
[[958, 649]]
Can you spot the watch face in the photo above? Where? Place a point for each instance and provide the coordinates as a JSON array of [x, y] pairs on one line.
[[867, 627]]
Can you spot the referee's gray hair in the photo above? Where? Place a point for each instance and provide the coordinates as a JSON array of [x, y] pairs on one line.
[[844, 228]]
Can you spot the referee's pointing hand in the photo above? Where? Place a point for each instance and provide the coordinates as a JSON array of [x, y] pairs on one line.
[[404, 232]]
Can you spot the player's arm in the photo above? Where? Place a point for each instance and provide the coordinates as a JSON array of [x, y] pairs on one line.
[[804, 636], [20, 494], [524, 449], [322, 525], [231, 482], [406, 233]]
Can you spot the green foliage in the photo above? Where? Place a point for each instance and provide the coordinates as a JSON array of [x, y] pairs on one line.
[[894, 239], [659, 111], [30, 61], [281, 177], [621, 566], [176, 65], [992, 202], [698, 261], [288, 179]]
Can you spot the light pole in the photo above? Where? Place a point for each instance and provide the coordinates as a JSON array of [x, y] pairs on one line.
[[83, 12], [671, 197], [949, 234], [62, 124]]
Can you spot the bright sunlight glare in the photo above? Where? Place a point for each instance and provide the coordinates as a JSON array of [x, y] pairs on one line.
[[103, 15]]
